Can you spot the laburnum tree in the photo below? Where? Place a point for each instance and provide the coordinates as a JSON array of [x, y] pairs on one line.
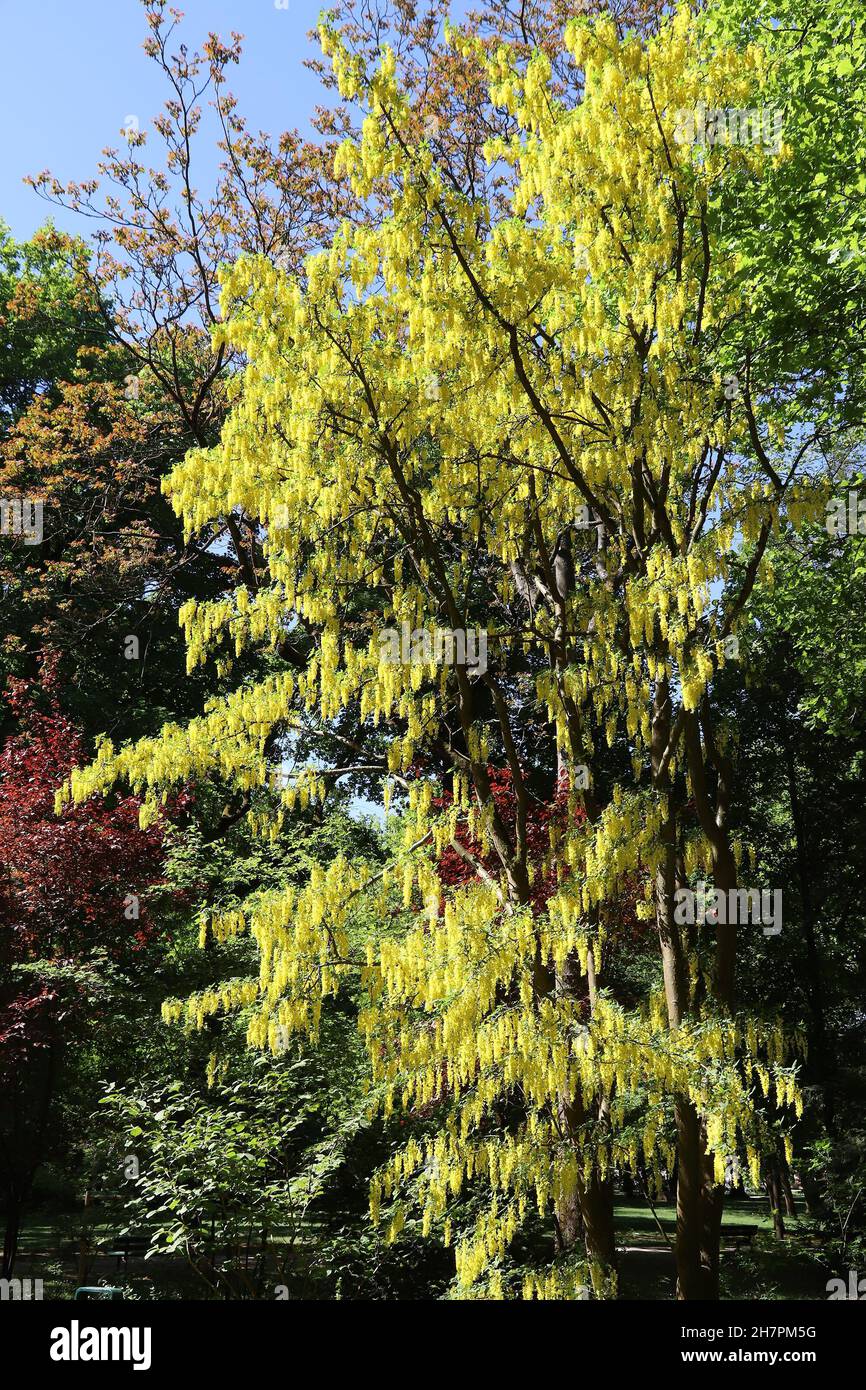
[[549, 416], [160, 239], [73, 900], [448, 93], [96, 446]]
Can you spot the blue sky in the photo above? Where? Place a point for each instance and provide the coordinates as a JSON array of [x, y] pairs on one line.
[[71, 71]]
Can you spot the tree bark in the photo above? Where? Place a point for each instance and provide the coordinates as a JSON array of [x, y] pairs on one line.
[[588, 1213]]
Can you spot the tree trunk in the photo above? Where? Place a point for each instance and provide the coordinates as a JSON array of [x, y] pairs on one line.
[[785, 1181], [691, 1233], [774, 1196], [596, 1205], [712, 1211], [688, 1249], [588, 1212], [12, 1231], [713, 1193]]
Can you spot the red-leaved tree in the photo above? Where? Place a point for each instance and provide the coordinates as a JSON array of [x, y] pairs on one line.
[[72, 893]]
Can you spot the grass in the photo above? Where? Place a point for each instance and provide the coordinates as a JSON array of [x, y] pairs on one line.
[[766, 1269]]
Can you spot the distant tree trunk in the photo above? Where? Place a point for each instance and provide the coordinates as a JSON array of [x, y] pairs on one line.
[[785, 1180], [812, 1195], [820, 1061], [12, 1230], [774, 1195], [84, 1244]]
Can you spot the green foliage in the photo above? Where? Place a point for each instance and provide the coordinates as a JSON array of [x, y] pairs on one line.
[[800, 241], [815, 611], [217, 1179], [48, 315]]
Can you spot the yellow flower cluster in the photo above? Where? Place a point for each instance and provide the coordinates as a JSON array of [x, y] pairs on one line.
[[438, 371]]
